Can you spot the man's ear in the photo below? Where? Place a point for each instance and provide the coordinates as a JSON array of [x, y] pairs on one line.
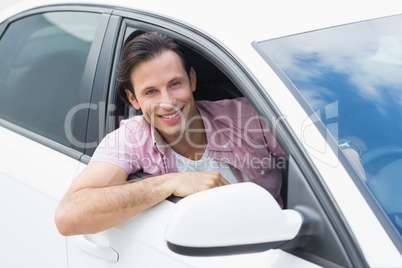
[[193, 79], [132, 99]]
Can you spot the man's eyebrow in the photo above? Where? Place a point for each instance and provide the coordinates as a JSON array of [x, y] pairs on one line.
[[181, 77], [176, 78]]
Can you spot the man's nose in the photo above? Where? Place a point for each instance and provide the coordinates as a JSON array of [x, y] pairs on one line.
[[167, 100]]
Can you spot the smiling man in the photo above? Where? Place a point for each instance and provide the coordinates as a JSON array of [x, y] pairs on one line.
[[186, 146]]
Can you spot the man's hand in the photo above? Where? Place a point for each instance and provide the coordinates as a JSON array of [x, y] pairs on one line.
[[187, 183]]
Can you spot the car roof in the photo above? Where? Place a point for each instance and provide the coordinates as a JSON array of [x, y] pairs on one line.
[[252, 20]]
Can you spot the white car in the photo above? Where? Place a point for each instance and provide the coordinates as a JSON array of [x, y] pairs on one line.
[[327, 77]]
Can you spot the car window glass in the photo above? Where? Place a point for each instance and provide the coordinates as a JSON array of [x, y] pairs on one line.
[[351, 76], [42, 60]]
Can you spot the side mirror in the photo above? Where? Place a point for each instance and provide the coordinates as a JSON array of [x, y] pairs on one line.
[[233, 219]]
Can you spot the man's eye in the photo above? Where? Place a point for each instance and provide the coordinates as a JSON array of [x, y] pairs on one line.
[[151, 91], [175, 84]]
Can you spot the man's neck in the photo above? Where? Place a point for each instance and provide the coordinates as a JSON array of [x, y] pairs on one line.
[[193, 143]]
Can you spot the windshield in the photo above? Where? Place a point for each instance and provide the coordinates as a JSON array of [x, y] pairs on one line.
[[356, 71]]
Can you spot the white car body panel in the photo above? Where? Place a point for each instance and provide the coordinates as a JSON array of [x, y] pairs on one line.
[[33, 179]]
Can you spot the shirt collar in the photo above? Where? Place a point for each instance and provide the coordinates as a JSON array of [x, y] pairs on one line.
[[157, 140]]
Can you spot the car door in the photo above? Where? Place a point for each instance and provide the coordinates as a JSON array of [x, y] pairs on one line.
[[44, 83]]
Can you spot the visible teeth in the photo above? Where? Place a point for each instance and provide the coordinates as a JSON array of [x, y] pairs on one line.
[[170, 116]]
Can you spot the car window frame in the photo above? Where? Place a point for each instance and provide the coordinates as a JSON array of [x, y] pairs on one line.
[[79, 133], [102, 84]]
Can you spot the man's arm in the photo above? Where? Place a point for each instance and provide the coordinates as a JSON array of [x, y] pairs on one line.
[[100, 198]]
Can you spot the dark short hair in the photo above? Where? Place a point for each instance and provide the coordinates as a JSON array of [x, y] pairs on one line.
[[142, 48]]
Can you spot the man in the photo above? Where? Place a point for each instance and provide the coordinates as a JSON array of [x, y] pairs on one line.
[[187, 147]]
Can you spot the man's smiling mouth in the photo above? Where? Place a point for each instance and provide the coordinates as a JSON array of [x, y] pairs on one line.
[[170, 116]]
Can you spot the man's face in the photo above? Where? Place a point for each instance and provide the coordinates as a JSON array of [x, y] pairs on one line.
[[164, 94]]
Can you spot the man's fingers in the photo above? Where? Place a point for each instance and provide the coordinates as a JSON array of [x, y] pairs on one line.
[[225, 182], [222, 181]]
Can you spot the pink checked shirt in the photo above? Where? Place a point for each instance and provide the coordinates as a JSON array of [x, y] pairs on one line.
[[235, 133]]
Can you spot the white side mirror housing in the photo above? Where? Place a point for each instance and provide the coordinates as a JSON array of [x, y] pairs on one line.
[[235, 215]]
